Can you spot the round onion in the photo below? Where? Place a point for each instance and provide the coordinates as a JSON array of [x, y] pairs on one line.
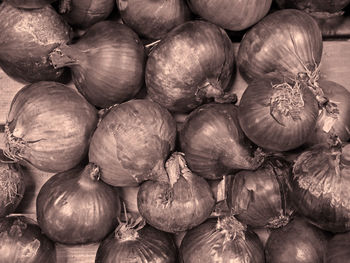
[[107, 63], [260, 198], [297, 242], [75, 207], [338, 248], [134, 241], [214, 144], [132, 142], [21, 240], [30, 4], [277, 115], [27, 37], [194, 62], [49, 126], [153, 19], [177, 203], [12, 187], [330, 6], [287, 41], [320, 186], [232, 15], [221, 240]]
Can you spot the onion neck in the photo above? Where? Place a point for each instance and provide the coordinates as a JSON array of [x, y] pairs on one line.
[[66, 55], [212, 89], [89, 175], [65, 6], [129, 230], [176, 167], [231, 228]]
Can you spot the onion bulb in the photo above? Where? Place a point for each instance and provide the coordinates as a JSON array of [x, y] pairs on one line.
[[30, 4], [338, 248], [312, 6]]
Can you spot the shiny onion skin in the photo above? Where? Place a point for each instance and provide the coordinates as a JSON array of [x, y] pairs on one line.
[[194, 62], [27, 37], [107, 63], [334, 117], [260, 198], [30, 4], [153, 19], [221, 240], [21, 240], [320, 186], [277, 115], [287, 41], [138, 242], [311, 6], [338, 248], [297, 242], [85, 13], [179, 203], [214, 144], [75, 207], [132, 142], [232, 15], [49, 126]]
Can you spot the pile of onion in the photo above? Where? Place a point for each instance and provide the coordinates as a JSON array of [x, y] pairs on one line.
[[21, 240], [192, 64], [49, 126], [214, 144], [76, 207], [178, 202], [107, 63], [27, 38], [132, 142], [30, 4]]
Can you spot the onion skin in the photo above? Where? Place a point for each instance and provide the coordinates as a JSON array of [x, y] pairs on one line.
[[153, 19], [194, 62], [27, 37], [213, 142], [30, 4], [331, 6], [232, 15], [179, 204], [287, 41], [319, 186], [75, 207], [132, 141], [221, 240], [49, 126], [272, 123], [107, 63], [338, 248], [297, 242], [22, 241]]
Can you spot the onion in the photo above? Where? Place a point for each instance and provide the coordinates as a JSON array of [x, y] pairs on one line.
[[297, 242], [75, 207], [30, 4], [260, 198], [134, 241], [12, 187], [214, 144], [276, 114], [49, 126], [27, 37], [320, 186], [194, 62], [107, 63], [330, 6], [177, 203], [338, 248], [221, 240], [232, 15], [153, 19], [85, 13], [287, 41], [21, 240], [132, 142]]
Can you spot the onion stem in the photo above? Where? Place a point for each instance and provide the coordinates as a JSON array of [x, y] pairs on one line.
[[65, 55]]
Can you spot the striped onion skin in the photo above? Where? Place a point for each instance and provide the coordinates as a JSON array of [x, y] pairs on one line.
[[338, 248], [327, 6]]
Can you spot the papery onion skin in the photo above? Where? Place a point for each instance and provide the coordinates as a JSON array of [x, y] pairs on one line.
[[30, 4], [75, 207], [270, 121], [338, 248], [330, 6], [260, 198], [153, 19], [287, 41], [194, 62], [132, 141], [320, 186], [49, 126], [22, 241], [107, 63], [213, 241], [27, 37], [213, 142], [232, 15], [297, 242]]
